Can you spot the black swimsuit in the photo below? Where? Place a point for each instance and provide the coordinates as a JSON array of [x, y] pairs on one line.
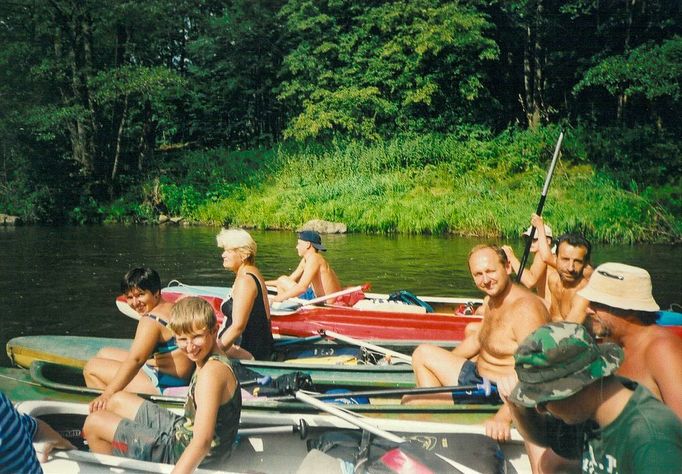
[[257, 336]]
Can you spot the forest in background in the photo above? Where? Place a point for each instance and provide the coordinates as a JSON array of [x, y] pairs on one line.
[[391, 116]]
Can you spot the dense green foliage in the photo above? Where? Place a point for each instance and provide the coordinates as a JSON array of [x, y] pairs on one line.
[[470, 185], [270, 112]]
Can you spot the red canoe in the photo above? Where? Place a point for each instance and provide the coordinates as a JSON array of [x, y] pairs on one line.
[[393, 325]]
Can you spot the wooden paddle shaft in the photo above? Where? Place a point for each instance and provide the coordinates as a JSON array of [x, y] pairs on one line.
[[541, 205], [360, 423], [358, 342]]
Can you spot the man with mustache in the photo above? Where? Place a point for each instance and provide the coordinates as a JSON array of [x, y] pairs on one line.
[[623, 310], [572, 259]]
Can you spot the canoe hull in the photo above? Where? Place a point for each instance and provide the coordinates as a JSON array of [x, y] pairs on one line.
[[21, 385], [260, 450], [381, 322], [75, 351]]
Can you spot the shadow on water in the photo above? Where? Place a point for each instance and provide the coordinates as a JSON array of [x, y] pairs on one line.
[[63, 280]]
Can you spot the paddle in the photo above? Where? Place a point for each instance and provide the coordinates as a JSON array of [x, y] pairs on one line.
[[541, 204], [292, 304], [296, 340], [358, 342], [367, 426], [127, 464], [486, 387]]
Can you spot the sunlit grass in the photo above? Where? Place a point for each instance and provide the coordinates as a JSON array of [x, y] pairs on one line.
[[486, 188]]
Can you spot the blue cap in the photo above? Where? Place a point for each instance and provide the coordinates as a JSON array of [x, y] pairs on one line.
[[312, 237]]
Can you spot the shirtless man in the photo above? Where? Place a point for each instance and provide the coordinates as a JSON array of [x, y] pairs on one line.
[[572, 273], [622, 310], [511, 312], [313, 271], [536, 275]]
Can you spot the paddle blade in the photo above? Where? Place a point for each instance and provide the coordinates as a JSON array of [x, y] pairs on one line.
[[411, 458], [349, 299]]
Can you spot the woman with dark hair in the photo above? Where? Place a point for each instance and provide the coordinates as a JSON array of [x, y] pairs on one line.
[[154, 361]]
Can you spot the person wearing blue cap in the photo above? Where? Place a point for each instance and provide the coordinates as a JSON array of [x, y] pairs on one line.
[[313, 272]]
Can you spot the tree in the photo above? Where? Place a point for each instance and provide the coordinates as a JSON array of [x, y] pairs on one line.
[[373, 68]]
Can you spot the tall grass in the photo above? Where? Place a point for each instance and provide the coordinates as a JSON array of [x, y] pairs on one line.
[[475, 185]]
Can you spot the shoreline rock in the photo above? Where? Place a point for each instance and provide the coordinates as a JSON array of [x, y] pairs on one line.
[[8, 220], [324, 227]]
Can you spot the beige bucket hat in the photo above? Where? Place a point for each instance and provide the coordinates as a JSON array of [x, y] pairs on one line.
[[620, 286], [548, 231]]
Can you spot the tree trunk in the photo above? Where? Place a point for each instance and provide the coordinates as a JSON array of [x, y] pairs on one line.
[[148, 136], [629, 15], [119, 139], [527, 75], [533, 68], [70, 49]]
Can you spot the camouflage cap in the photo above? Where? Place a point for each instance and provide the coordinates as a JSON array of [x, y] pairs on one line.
[[557, 360]]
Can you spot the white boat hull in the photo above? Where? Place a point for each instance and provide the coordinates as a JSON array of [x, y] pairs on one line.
[[255, 451]]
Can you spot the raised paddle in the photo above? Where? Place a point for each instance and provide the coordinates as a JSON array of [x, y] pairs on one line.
[[368, 426], [292, 304], [541, 204]]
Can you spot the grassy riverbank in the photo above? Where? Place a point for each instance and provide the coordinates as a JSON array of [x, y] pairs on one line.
[[469, 185]]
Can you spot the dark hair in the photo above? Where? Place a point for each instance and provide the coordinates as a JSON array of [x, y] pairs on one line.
[[576, 240], [142, 278], [646, 317]]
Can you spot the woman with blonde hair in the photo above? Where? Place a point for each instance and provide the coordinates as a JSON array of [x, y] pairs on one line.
[[245, 332]]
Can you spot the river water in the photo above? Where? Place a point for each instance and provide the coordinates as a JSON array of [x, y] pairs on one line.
[[64, 280]]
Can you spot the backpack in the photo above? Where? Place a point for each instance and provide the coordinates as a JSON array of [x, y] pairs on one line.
[[404, 296]]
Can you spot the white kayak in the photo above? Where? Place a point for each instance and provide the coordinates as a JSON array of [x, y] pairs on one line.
[[275, 444]]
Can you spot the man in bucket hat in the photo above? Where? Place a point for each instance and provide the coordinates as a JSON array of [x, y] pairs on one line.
[[623, 310], [568, 398], [313, 272]]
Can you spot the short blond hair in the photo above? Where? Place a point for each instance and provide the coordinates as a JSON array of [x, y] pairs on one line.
[[501, 254], [191, 314], [240, 241]]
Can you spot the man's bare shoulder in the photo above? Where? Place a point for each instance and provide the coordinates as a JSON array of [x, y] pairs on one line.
[[662, 344], [314, 260], [528, 306]]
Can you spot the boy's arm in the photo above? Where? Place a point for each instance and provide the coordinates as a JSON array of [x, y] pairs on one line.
[[213, 381], [309, 269], [543, 247], [530, 277], [295, 275]]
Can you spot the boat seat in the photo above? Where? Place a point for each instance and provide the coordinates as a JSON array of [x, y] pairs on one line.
[[316, 462]]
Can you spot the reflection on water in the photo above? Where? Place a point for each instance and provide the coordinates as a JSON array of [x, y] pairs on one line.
[[63, 280]]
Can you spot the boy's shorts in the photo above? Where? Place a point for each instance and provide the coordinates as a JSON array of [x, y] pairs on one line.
[[149, 437], [308, 295]]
